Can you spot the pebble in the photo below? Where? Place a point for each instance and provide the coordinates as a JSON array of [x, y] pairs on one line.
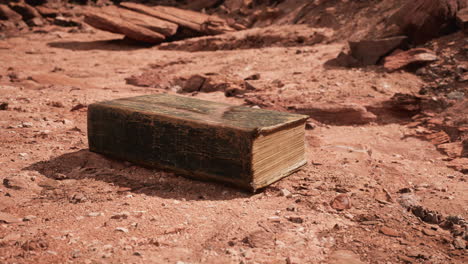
[[459, 243], [296, 219], [95, 214], [408, 200], [231, 251], [276, 219], [122, 215], [26, 124], [3, 106], [286, 193], [60, 176], [341, 202], [429, 232], [78, 198], [389, 231], [29, 218], [122, 229], [76, 254]]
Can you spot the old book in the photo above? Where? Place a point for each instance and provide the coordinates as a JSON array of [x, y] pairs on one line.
[[247, 147]]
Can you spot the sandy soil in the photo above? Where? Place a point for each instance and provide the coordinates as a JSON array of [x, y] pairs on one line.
[[79, 207]]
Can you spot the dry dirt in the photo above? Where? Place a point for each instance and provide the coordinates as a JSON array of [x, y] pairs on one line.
[[398, 201]]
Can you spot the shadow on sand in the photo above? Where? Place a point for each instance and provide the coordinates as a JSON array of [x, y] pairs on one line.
[[84, 164], [108, 45]]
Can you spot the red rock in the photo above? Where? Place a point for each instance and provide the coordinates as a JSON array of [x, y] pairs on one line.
[[26, 11], [193, 84], [199, 22], [405, 58], [368, 52], [422, 20], [341, 202], [438, 138], [460, 164], [7, 14], [161, 26], [389, 231], [121, 26], [429, 232], [453, 150], [47, 12]]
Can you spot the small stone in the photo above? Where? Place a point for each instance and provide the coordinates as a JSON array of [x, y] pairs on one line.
[[56, 104], [76, 254], [459, 243], [276, 219], [95, 214], [16, 182], [310, 125], [286, 193], [429, 232], [122, 229], [253, 77], [66, 122], [78, 107], [29, 218], [341, 202], [26, 124], [296, 219], [23, 155], [60, 176], [136, 253], [78, 198], [122, 215], [3, 106], [31, 245], [231, 251], [389, 231], [349, 216]]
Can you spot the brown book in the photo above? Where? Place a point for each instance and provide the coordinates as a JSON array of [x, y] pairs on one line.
[[247, 147]]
